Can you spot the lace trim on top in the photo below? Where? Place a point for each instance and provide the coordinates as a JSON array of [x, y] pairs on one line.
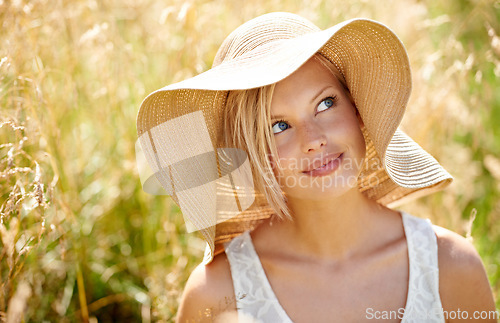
[[256, 301]]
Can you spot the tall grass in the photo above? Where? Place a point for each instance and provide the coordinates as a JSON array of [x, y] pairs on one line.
[[80, 241]]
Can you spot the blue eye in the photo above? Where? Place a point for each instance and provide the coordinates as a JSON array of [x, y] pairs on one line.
[[326, 104], [280, 126]]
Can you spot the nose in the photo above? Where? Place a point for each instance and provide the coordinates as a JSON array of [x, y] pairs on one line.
[[313, 138]]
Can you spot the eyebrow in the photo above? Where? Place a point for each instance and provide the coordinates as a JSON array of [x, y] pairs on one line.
[[276, 118], [314, 98]]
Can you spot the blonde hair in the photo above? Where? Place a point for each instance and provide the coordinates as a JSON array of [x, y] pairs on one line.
[[247, 126]]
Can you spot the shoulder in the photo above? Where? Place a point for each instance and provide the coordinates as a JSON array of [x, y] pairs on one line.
[[453, 249], [208, 292], [463, 283]]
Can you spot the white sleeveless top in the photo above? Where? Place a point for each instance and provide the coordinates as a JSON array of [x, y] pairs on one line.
[[256, 301]]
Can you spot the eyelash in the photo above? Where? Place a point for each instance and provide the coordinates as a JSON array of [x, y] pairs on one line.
[[276, 122], [333, 98]]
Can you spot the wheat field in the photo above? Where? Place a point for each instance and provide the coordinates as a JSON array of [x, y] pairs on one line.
[[81, 241]]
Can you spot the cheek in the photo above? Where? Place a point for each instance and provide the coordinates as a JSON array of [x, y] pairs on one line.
[[348, 130], [341, 127], [284, 161], [274, 160]]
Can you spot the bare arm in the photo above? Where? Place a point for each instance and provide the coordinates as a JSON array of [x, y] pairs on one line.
[[463, 282], [208, 293]]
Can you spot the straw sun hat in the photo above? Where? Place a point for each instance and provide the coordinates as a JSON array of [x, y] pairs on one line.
[[180, 126]]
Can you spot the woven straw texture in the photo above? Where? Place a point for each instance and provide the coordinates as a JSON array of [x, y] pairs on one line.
[[263, 51]]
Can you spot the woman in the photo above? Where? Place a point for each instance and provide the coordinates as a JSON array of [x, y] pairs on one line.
[[316, 112]]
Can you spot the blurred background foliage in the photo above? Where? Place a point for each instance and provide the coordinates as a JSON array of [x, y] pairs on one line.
[[80, 241]]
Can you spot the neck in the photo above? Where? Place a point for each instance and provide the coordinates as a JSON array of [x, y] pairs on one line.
[[333, 228]]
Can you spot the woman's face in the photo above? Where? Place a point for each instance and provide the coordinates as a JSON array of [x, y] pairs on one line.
[[317, 132]]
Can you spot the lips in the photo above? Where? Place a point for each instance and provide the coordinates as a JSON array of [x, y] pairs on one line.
[[324, 166]]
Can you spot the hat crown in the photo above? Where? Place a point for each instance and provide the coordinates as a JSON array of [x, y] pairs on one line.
[[260, 31], [184, 121]]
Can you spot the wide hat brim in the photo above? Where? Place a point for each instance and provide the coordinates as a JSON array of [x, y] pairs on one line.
[[376, 69]]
